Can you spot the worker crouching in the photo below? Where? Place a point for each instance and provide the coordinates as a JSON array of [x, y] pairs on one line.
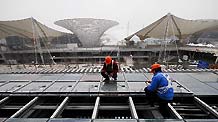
[[160, 89], [109, 69]]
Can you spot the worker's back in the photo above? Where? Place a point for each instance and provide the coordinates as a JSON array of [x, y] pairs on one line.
[[162, 83]]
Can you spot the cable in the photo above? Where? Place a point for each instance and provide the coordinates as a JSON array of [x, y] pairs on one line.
[[43, 41], [175, 42]]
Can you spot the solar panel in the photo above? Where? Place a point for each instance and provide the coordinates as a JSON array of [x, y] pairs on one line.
[[35, 86], [135, 77]]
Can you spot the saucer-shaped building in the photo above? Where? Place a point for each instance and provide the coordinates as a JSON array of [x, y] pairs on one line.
[[88, 30]]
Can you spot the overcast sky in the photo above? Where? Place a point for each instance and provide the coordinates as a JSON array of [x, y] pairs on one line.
[[138, 13]]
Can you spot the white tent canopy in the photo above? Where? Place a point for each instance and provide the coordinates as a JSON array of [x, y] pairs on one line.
[[29, 28], [135, 39], [26, 28], [170, 25]]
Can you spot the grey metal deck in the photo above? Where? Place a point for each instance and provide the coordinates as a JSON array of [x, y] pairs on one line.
[[84, 97]]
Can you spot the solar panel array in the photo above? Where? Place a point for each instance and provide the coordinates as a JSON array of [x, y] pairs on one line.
[[50, 95]]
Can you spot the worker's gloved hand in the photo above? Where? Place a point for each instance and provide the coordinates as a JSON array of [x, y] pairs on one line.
[[147, 81]]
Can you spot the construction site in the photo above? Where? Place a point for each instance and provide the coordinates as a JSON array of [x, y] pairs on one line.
[[50, 76]]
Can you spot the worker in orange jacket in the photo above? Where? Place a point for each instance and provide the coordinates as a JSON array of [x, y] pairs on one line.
[[110, 68]]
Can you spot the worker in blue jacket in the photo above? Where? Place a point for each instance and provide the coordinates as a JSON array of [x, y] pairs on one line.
[[160, 89]]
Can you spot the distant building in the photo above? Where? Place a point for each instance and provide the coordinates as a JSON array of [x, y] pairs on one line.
[[207, 36], [88, 30], [22, 43]]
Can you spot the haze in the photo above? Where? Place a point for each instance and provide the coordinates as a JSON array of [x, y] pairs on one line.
[[131, 14]]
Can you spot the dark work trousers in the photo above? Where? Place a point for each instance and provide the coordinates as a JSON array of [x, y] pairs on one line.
[[163, 107], [152, 97], [106, 75]]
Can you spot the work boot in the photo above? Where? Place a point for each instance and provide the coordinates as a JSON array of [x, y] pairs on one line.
[[107, 79]]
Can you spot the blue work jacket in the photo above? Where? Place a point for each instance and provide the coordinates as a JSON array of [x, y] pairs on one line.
[[161, 83]]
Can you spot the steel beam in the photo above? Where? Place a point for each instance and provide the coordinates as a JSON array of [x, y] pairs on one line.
[[24, 107], [114, 107], [3, 100], [60, 108], [176, 114], [95, 111], [207, 107], [132, 108]]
